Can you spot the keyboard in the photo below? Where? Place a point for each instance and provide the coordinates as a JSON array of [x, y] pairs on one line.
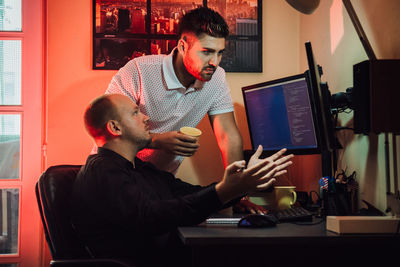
[[294, 214]]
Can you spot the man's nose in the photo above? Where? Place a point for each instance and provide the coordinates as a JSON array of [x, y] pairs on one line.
[[214, 60]]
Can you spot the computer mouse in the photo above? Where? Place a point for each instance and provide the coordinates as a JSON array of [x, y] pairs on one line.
[[257, 220]]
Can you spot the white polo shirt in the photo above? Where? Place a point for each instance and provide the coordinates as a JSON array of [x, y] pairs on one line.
[[151, 82]]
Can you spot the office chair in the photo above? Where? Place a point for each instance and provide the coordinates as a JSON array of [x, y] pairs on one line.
[[53, 191]]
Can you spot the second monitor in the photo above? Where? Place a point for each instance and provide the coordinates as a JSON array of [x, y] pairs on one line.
[[283, 113]]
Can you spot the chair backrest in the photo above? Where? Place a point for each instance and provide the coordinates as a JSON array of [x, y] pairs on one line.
[[53, 192]]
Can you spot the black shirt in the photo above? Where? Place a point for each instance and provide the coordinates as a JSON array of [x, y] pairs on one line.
[[119, 210]]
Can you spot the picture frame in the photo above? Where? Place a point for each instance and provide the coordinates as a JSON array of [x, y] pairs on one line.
[[123, 30]]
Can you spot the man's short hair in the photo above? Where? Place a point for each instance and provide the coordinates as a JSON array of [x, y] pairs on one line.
[[203, 20], [97, 114]]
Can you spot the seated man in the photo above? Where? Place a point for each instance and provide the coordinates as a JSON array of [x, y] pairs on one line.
[[123, 207]]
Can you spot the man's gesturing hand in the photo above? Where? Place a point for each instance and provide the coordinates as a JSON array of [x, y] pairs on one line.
[[238, 181], [259, 175], [281, 162]]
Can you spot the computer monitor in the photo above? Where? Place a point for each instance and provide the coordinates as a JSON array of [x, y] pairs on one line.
[[280, 114], [291, 112]]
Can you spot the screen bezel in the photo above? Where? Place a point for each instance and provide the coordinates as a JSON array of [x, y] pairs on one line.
[[322, 97], [300, 151]]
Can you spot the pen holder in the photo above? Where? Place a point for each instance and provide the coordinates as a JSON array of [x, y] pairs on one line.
[[339, 202]]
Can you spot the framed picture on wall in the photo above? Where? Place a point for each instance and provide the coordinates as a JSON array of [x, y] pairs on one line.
[[125, 29]]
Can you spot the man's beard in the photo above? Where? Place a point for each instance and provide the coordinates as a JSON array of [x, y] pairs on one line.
[[142, 143]]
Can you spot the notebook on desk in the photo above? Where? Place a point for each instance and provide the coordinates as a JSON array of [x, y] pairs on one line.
[[224, 218]]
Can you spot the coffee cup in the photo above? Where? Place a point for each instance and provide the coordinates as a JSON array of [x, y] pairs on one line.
[[190, 131], [281, 198], [285, 197]]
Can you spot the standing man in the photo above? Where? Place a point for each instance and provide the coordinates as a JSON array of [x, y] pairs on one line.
[[179, 89]]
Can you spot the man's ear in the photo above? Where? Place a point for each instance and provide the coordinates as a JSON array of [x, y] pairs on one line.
[[182, 45], [114, 128]]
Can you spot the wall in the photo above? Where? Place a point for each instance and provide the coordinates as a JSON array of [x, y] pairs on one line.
[[72, 84], [337, 48]]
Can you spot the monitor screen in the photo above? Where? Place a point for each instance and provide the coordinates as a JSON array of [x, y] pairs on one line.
[[280, 114]]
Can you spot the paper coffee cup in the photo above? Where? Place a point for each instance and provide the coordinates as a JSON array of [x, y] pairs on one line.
[[190, 131]]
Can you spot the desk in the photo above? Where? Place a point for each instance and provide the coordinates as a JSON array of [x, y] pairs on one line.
[[286, 244]]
